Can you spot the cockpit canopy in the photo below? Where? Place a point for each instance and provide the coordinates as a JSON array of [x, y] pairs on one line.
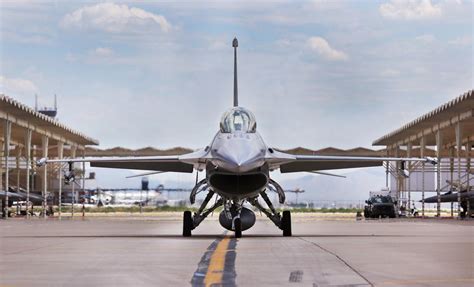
[[238, 119]]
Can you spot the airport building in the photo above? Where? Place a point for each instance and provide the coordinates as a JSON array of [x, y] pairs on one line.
[[446, 134], [27, 135]]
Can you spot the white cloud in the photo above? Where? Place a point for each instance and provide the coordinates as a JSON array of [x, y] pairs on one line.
[[410, 9], [322, 47], [14, 86], [102, 52], [114, 18], [425, 39], [461, 41], [218, 45]]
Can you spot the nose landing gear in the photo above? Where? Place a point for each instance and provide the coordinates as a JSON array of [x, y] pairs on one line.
[[238, 227]]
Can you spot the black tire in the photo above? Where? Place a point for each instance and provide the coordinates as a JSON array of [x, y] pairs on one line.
[[187, 223], [286, 223], [238, 228]]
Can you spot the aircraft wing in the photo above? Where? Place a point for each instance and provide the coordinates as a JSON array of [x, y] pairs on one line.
[[175, 163], [322, 162]]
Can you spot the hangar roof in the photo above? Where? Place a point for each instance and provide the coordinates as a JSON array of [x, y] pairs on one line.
[[24, 117], [460, 109]]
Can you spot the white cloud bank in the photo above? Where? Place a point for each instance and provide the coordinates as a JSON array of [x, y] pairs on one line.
[[322, 47], [410, 10], [14, 86], [113, 18]]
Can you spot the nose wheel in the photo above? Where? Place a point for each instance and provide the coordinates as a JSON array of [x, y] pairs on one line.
[[238, 228]]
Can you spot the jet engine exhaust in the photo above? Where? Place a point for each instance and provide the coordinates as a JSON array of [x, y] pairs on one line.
[[247, 218]]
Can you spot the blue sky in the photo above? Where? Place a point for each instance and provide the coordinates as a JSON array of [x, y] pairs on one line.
[[315, 73]]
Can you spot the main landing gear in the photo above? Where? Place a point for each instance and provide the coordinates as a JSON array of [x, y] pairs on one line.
[[190, 222], [234, 216], [281, 221]]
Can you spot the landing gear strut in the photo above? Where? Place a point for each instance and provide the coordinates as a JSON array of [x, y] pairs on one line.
[[192, 221], [281, 221]]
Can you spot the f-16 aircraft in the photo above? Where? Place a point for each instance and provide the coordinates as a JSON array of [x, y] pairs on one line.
[[465, 193], [237, 164]]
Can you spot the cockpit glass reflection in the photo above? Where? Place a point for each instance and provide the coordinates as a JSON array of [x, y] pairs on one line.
[[238, 120]]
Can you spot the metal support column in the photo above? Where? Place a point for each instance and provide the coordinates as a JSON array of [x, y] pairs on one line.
[[44, 189], [468, 171], [458, 131], [1, 179], [409, 149], [7, 128], [18, 155], [451, 174], [422, 155], [439, 145], [60, 178], [84, 184], [399, 180], [73, 188], [28, 166], [387, 169]]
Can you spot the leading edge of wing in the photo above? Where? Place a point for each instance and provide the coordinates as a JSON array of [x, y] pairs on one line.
[[172, 163], [361, 158], [322, 162]]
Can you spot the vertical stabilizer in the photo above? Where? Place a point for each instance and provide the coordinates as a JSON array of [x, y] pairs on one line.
[[235, 44]]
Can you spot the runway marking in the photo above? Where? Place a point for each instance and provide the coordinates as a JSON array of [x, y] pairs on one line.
[[296, 276], [215, 269], [217, 265]]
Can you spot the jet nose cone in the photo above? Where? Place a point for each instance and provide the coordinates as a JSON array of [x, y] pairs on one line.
[[236, 158], [240, 158]]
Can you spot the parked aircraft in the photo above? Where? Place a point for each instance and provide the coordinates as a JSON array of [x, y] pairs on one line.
[[237, 165], [466, 196]]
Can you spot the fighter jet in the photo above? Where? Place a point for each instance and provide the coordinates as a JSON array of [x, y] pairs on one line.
[[466, 194], [238, 165]]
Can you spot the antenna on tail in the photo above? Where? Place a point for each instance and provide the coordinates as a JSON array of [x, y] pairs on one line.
[[235, 44]]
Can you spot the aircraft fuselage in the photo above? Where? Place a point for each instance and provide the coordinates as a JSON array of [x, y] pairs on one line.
[[238, 169]]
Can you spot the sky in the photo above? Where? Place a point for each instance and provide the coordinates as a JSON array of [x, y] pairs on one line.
[[159, 73]]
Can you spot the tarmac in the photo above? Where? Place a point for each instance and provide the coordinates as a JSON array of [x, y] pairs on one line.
[[149, 251]]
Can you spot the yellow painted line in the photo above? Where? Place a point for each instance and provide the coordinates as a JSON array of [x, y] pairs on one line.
[[215, 269]]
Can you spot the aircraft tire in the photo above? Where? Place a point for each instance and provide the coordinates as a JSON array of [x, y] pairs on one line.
[[187, 223], [286, 223], [238, 228]]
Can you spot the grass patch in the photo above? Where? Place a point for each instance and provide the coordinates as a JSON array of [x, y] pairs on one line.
[[326, 210]]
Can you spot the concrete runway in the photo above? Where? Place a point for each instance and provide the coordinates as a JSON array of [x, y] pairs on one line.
[[151, 252]]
